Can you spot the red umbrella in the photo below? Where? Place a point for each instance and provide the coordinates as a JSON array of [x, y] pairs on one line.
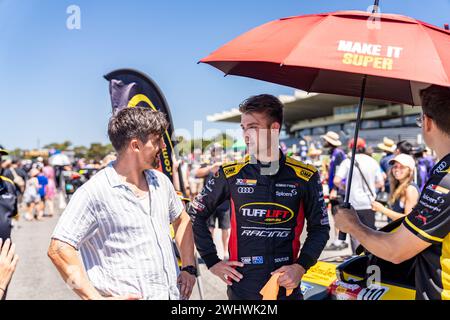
[[331, 52], [354, 53]]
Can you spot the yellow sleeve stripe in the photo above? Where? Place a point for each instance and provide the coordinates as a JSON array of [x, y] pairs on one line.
[[7, 180], [300, 164], [233, 170], [233, 163], [422, 233]]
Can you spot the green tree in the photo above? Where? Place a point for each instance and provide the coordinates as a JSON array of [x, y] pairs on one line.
[[97, 151], [59, 146], [225, 140], [80, 151], [16, 153], [183, 146]]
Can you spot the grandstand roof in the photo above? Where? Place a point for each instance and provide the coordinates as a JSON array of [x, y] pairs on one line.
[[302, 106]]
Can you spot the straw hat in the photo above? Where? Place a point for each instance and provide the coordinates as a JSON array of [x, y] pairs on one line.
[[313, 151], [332, 138], [388, 145]]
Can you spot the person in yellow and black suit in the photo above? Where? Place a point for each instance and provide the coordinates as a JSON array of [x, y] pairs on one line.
[[8, 202], [430, 221], [425, 232], [8, 209], [271, 196]]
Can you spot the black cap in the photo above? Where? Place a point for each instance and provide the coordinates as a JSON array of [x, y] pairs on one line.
[[3, 151], [418, 150]]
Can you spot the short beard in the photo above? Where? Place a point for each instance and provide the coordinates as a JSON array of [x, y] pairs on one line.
[[156, 162]]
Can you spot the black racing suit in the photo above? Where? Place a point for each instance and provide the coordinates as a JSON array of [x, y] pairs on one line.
[[430, 221], [267, 218], [8, 206], [8, 209]]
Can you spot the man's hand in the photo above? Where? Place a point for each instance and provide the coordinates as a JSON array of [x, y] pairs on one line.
[[224, 270], [186, 282], [8, 262], [333, 194], [345, 219], [291, 275]]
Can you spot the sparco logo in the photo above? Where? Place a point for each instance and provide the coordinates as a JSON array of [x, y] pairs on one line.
[[266, 213], [246, 190]]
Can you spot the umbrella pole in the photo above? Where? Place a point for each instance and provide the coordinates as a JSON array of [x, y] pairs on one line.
[[376, 5], [355, 139]]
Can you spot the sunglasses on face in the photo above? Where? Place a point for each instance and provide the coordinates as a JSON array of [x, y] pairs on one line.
[[419, 119]]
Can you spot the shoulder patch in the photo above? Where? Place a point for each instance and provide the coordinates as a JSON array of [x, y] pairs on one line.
[[246, 159], [302, 170], [7, 180], [297, 163], [233, 168], [302, 173]]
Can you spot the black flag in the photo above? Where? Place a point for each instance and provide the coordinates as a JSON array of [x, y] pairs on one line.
[[131, 88]]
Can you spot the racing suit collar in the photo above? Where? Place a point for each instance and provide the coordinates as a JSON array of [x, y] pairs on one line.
[[275, 165]]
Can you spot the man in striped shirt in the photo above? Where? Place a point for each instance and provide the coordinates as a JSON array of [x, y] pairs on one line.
[[120, 220]]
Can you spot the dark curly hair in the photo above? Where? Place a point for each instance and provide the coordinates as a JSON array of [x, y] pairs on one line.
[[135, 123]]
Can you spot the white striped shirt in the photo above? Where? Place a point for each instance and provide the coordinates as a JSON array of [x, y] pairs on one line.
[[125, 249]]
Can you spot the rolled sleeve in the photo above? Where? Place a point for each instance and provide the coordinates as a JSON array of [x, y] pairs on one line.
[[77, 220], [175, 204], [430, 219], [343, 169]]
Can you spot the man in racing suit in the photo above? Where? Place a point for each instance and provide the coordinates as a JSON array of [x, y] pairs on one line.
[[271, 197], [8, 209], [425, 232]]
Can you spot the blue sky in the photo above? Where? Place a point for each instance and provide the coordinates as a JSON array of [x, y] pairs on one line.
[[51, 83]]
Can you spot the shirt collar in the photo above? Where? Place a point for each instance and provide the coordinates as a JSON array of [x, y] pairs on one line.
[[112, 175], [115, 181]]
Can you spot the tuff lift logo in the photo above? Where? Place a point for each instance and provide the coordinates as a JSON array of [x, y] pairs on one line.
[[266, 213]]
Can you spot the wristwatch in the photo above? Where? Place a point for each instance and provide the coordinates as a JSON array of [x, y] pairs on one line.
[[190, 269]]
